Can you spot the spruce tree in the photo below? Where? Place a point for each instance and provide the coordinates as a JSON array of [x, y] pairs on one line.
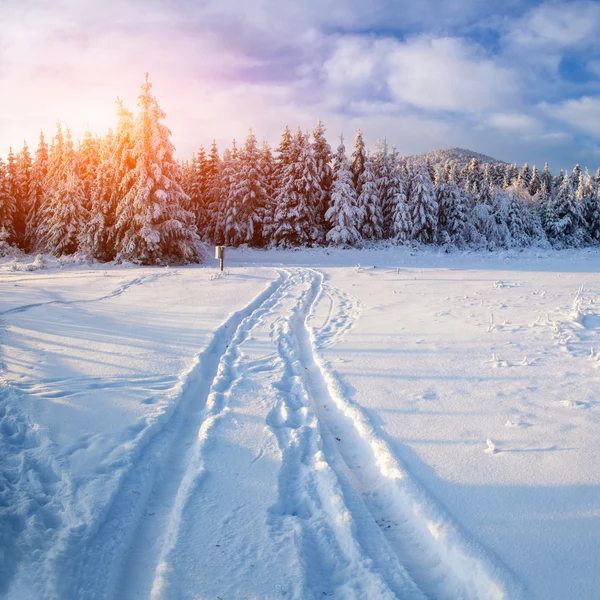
[[357, 164], [452, 209], [344, 214], [63, 212], [563, 219], [7, 208], [369, 202], [37, 187], [152, 224], [423, 206], [534, 184], [323, 156], [295, 219], [214, 165]]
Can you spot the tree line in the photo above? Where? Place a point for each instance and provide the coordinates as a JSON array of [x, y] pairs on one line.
[[124, 196]]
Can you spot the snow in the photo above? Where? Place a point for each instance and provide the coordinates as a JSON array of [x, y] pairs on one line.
[[374, 423]]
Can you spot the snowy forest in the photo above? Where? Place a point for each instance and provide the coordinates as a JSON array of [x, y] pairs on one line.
[[125, 197]]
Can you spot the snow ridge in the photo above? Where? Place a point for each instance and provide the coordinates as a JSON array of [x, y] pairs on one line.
[[440, 559]]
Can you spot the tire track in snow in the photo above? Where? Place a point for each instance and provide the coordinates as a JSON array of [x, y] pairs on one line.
[[165, 445], [312, 511], [439, 558]]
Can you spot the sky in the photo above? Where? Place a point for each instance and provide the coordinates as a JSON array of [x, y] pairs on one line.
[[517, 80]]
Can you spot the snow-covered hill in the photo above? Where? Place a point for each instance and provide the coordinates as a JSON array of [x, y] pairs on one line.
[[460, 156]]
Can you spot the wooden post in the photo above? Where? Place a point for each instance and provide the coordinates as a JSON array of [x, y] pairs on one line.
[[220, 254]]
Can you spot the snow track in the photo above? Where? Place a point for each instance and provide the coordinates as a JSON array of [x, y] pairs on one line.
[[264, 480]]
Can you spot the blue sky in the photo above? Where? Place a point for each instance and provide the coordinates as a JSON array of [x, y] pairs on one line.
[[517, 80]]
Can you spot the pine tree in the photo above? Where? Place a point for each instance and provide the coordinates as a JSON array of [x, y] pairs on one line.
[[586, 197], [383, 168], [37, 188], [593, 210], [7, 208], [214, 166], [524, 179], [534, 184], [267, 167], [98, 238], [452, 207], [152, 224], [369, 202], [23, 182], [323, 157], [245, 206], [546, 180], [401, 228], [344, 214], [88, 159], [16, 192], [63, 214], [423, 206], [357, 164], [563, 220], [294, 220]]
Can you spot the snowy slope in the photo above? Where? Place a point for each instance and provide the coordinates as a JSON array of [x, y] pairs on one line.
[[303, 426], [460, 156]]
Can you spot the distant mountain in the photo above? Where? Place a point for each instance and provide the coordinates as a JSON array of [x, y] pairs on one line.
[[459, 156]]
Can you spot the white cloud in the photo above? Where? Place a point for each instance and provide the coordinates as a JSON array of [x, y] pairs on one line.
[[433, 74], [543, 34], [583, 113], [448, 74], [517, 122]]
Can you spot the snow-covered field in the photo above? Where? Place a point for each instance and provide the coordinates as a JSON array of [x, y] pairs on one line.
[[421, 425]]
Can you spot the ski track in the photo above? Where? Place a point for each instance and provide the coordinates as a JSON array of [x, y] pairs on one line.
[[360, 525], [440, 559], [118, 291], [113, 530]]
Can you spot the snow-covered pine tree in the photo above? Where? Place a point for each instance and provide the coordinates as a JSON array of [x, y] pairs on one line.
[[23, 181], [88, 160], [214, 165], [546, 180], [63, 211], [586, 196], [226, 187], [152, 224], [423, 206], [575, 176], [37, 183], [284, 156], [511, 173], [369, 203], [452, 209], [524, 179], [17, 193], [402, 226], [344, 214], [534, 184], [245, 208], [473, 178], [323, 156], [593, 211], [563, 219], [357, 164], [7, 209], [294, 220], [383, 174], [267, 167], [114, 163]]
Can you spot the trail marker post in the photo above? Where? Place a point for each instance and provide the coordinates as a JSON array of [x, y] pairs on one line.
[[220, 254]]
